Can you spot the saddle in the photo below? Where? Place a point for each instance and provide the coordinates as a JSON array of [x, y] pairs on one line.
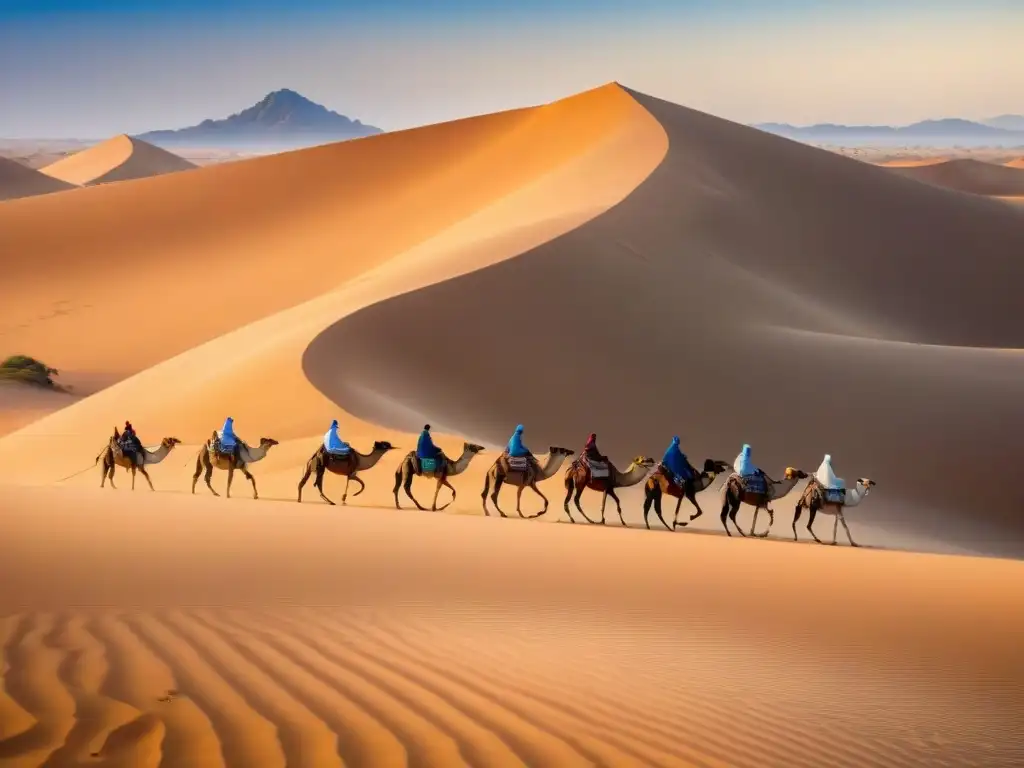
[[754, 483], [834, 495], [678, 480], [218, 449], [598, 469], [518, 463], [428, 466]]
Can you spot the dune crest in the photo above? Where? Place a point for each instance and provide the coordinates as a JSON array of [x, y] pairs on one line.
[[117, 159], [967, 175], [17, 181]]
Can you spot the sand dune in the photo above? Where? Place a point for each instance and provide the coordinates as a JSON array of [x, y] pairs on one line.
[[967, 175], [608, 262], [118, 159], [18, 181], [1018, 163]]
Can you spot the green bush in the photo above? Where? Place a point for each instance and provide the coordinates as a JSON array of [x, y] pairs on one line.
[[28, 370]]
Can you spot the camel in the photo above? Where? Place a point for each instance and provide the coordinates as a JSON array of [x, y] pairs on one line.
[[246, 455], [114, 456], [660, 484], [443, 469], [817, 499], [736, 493], [347, 465], [502, 472], [580, 476]]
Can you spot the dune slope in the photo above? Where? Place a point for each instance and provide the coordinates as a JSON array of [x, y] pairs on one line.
[[118, 159], [750, 290], [966, 175], [18, 181]]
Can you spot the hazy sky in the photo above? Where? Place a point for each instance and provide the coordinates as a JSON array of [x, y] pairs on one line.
[[91, 69]]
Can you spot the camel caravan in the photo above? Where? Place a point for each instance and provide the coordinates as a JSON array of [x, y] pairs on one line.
[[673, 477]]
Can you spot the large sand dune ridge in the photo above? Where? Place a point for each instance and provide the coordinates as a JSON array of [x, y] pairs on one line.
[[967, 175], [17, 181], [120, 158], [608, 262]]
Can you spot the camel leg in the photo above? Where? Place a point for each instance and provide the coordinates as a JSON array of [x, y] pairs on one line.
[[444, 481], [208, 476], [145, 474], [618, 505], [692, 496], [362, 487], [810, 522], [305, 477], [519, 496], [733, 511], [198, 472], [437, 490], [570, 486], [498, 482], [675, 520], [133, 477], [579, 495], [231, 474], [771, 521], [753, 525], [657, 511], [248, 477], [725, 515], [535, 489], [398, 484], [796, 517], [842, 519], [407, 486], [318, 483], [651, 496]]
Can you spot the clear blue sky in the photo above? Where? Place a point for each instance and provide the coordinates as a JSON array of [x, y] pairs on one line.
[[75, 68]]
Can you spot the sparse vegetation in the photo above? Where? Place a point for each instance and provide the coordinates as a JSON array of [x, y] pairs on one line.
[[28, 370]]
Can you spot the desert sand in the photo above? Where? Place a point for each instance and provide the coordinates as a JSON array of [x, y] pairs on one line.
[[18, 181], [608, 262], [967, 175], [118, 159]]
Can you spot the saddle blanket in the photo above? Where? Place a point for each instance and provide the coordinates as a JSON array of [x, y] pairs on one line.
[[340, 453], [598, 469], [835, 495], [519, 463], [754, 483], [428, 465], [678, 480]]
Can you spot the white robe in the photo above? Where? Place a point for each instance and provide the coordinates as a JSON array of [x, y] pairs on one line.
[[827, 477]]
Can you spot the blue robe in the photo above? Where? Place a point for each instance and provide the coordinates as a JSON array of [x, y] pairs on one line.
[[333, 443], [515, 444], [676, 462], [743, 465], [425, 448], [227, 436]]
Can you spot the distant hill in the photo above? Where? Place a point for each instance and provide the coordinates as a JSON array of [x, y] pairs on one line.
[[947, 132], [283, 119], [1006, 122]]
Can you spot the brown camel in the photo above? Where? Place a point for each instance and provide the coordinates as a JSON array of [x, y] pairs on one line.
[[661, 483], [245, 455], [114, 456], [816, 499], [347, 465], [514, 472], [581, 475], [736, 493], [443, 469]]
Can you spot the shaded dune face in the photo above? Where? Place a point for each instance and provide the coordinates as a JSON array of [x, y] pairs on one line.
[[118, 159], [967, 175], [752, 289], [18, 181]]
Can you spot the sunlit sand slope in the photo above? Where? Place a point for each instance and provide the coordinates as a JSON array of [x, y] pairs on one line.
[[753, 290], [118, 159]]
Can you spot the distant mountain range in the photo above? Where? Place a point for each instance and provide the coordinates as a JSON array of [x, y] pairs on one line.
[[282, 119], [1002, 131]]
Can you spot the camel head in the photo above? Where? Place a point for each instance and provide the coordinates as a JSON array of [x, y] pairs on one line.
[[266, 443], [383, 446], [472, 447], [644, 461], [716, 466], [793, 473], [554, 450], [867, 482], [170, 442]]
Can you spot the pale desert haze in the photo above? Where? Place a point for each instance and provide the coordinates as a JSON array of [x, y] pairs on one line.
[[609, 262]]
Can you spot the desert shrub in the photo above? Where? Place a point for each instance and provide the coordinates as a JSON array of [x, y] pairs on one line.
[[28, 370]]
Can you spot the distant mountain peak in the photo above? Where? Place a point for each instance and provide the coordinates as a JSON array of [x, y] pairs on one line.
[[283, 116]]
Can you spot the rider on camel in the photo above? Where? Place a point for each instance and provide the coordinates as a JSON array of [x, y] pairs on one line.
[[516, 449], [675, 461], [227, 441], [827, 477], [425, 448], [333, 443], [129, 440], [590, 451], [745, 467]]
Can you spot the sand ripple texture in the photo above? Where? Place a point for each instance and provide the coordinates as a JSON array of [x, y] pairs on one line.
[[471, 685]]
